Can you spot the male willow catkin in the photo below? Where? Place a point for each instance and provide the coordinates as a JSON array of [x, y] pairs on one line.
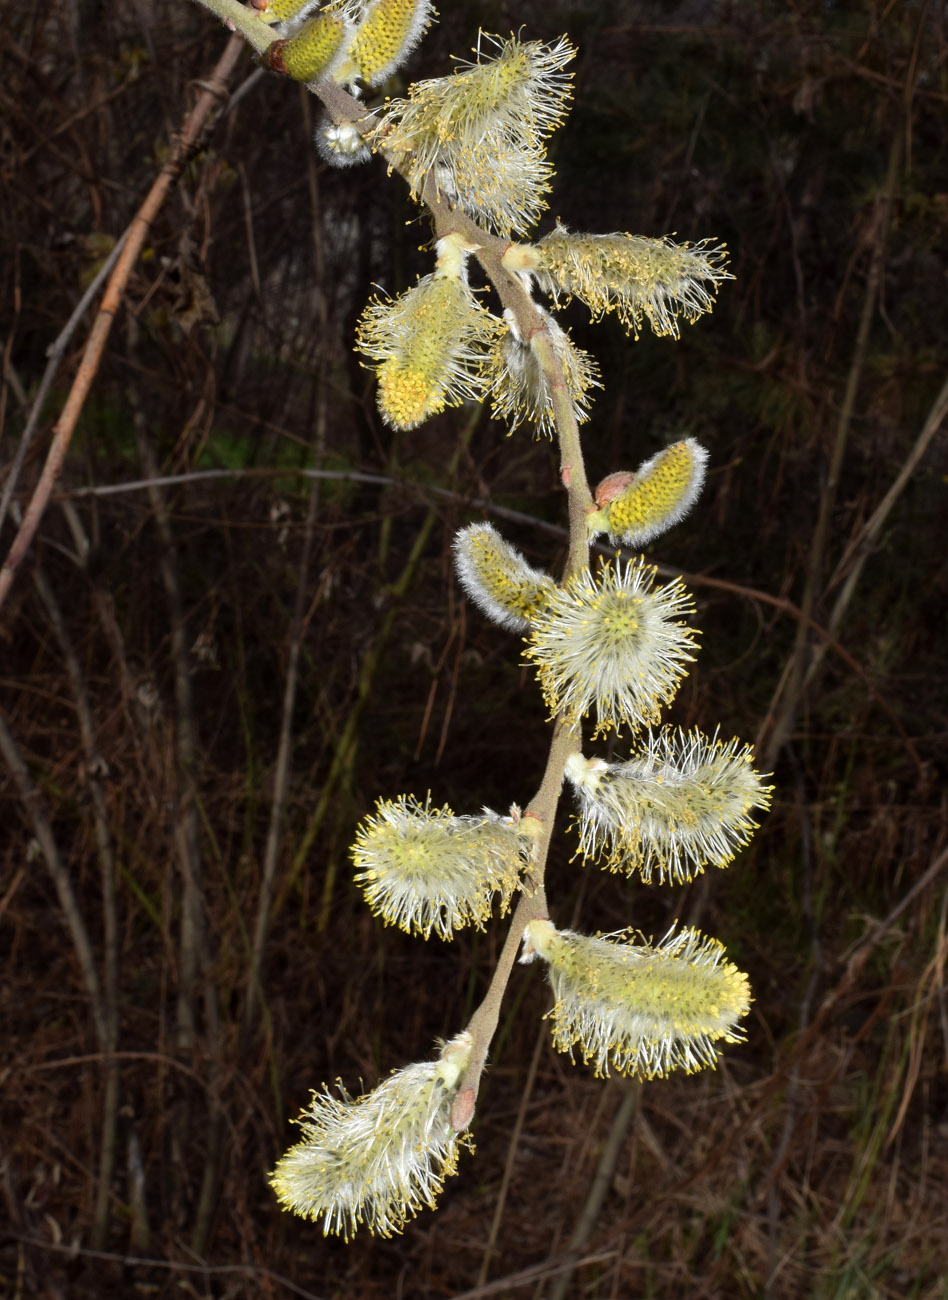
[[429, 344], [613, 644], [636, 507], [678, 806], [498, 579], [378, 1159], [428, 871], [637, 1008]]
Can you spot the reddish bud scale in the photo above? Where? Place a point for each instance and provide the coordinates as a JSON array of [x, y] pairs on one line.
[[273, 57], [612, 485], [462, 1109]]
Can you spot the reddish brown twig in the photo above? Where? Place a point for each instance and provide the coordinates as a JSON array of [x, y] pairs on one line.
[[213, 90]]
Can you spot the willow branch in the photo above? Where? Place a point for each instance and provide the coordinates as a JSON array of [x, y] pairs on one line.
[[238, 17], [531, 325]]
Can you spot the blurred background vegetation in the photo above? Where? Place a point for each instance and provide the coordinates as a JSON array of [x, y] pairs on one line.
[[150, 635]]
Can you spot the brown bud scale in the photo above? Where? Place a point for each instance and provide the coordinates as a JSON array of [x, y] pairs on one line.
[[273, 57], [612, 485]]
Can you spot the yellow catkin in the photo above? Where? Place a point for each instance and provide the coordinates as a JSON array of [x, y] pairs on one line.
[[482, 132], [681, 804], [310, 53], [613, 643], [653, 497], [638, 278], [522, 599], [374, 1161], [520, 387], [430, 343], [498, 579], [283, 11], [389, 32], [641, 1009], [636, 507], [411, 385], [430, 872]]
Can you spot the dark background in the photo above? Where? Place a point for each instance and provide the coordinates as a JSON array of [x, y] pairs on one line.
[[812, 138]]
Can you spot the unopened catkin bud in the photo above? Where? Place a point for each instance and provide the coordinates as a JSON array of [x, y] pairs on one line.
[[341, 144], [635, 508], [498, 579], [315, 50]]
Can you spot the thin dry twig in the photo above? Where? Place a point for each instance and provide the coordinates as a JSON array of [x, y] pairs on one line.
[[95, 769], [172, 1265], [214, 91], [300, 618], [195, 974], [794, 681], [600, 1184], [857, 553], [35, 806], [55, 353]]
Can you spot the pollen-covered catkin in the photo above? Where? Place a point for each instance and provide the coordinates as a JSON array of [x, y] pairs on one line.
[[431, 343], [521, 390], [480, 133], [427, 870], [682, 804], [640, 279], [614, 644], [378, 1159], [639, 1009]]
